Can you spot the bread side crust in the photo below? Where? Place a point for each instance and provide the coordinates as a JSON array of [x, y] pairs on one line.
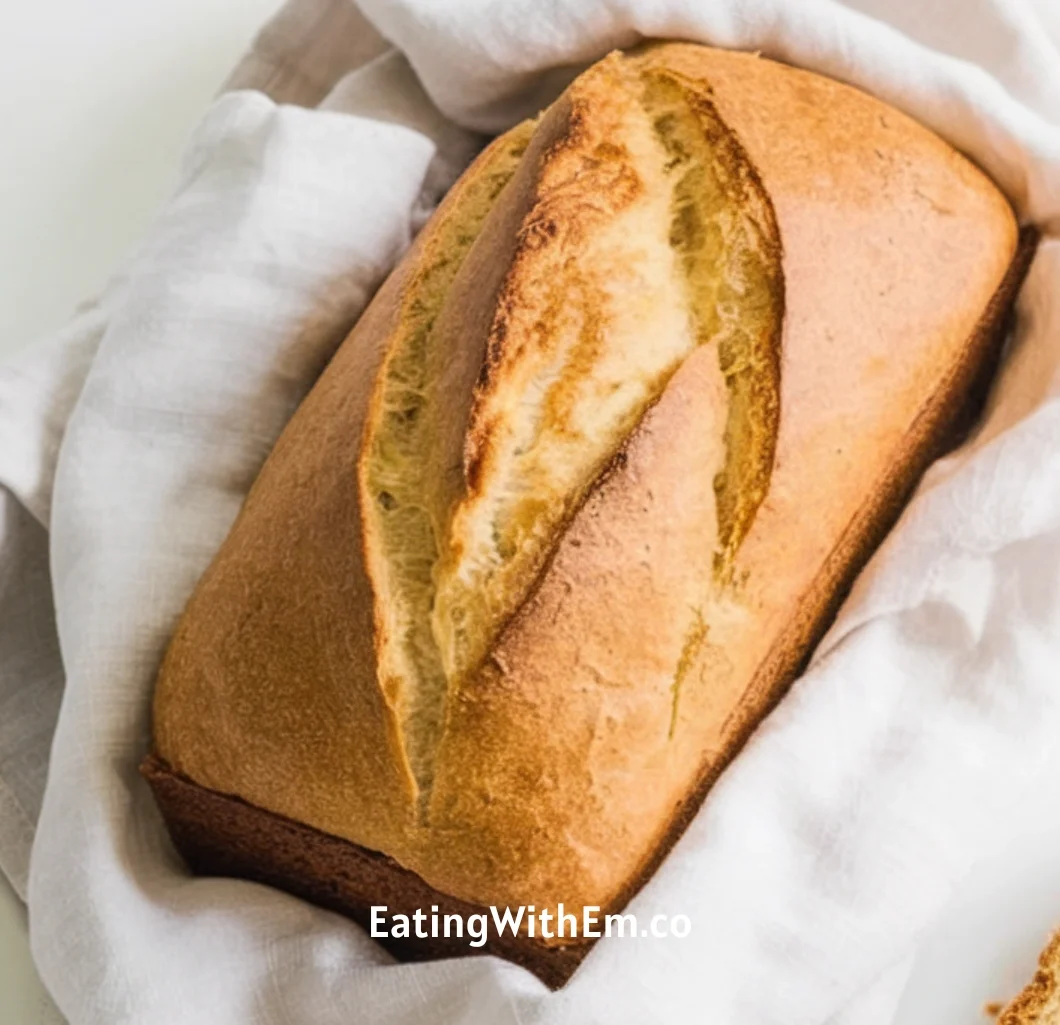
[[221, 835]]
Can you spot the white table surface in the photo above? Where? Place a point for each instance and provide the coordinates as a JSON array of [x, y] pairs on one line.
[[96, 100]]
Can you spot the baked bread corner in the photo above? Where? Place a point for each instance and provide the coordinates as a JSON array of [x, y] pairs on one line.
[[1039, 1003]]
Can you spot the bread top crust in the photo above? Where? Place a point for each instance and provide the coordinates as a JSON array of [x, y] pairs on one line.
[[557, 764]]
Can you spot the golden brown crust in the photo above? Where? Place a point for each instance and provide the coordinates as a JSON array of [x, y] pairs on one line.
[[629, 673], [1039, 1003]]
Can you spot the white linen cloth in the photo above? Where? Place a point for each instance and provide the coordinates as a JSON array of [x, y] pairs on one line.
[[128, 442]]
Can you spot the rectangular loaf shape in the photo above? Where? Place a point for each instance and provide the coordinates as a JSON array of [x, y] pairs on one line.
[[571, 505]]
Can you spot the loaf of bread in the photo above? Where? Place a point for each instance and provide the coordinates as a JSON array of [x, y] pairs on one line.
[[572, 503], [1039, 1003]]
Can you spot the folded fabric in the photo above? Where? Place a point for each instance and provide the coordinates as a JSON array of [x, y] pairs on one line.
[[838, 833]]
